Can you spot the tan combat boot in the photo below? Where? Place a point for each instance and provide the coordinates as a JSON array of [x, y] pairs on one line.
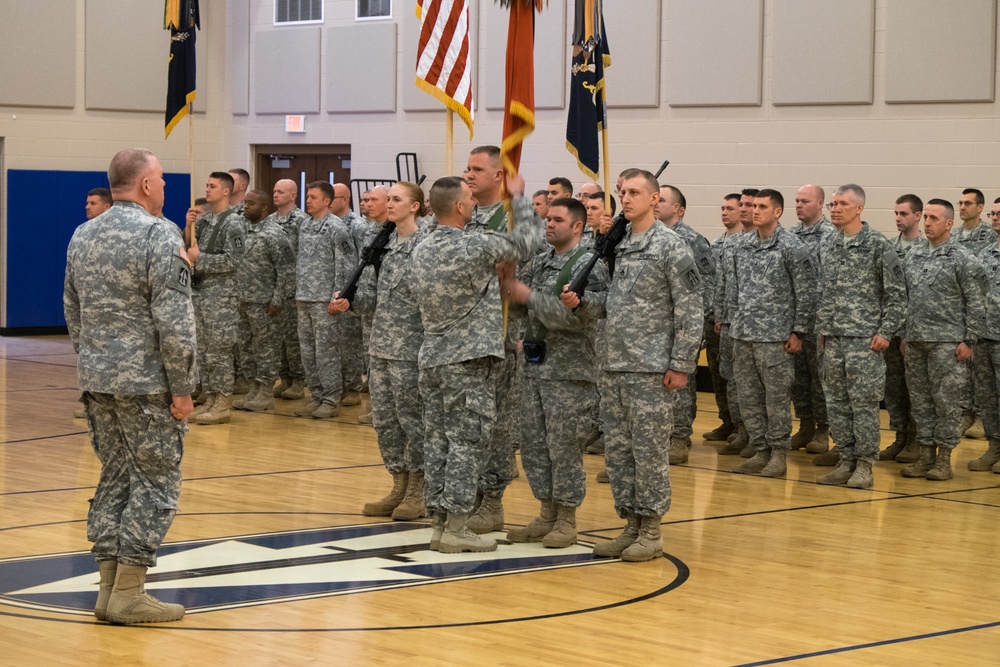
[[307, 410], [895, 449], [458, 538], [130, 603], [107, 570], [678, 451], [922, 465], [614, 548], [563, 534], [539, 527], [821, 440], [776, 465], [350, 399], [295, 392], [802, 437], [219, 414], [204, 407], [325, 411], [988, 459], [839, 475], [756, 463], [280, 388], [437, 529], [412, 506], [968, 421], [387, 505], [911, 452], [941, 470], [827, 459], [737, 441], [259, 401], [649, 544], [720, 434], [862, 477], [366, 418], [238, 403], [488, 517], [602, 477]]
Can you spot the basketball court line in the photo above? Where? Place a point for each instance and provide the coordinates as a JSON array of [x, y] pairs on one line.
[[858, 647]]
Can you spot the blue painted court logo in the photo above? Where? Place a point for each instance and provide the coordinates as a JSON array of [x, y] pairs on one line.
[[227, 573]]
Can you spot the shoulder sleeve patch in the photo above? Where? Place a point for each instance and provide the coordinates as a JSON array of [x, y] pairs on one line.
[[893, 266], [180, 276], [688, 271]]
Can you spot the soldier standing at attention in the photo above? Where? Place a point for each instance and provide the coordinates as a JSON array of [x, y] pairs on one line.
[[326, 255], [352, 348], [216, 250], [484, 175], [463, 346], [731, 223], [670, 211], [807, 387], [241, 181], [130, 318], [862, 305], [944, 320], [288, 216], [560, 390], [909, 209], [264, 279], [774, 308], [987, 357], [386, 295], [654, 324]]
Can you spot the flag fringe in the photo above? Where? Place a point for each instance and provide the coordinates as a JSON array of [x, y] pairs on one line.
[[584, 168], [179, 116], [448, 101]]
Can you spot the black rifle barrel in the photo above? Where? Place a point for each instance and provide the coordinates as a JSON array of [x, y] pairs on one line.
[[370, 255]]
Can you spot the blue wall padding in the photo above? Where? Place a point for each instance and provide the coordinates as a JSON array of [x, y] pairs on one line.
[[44, 208]]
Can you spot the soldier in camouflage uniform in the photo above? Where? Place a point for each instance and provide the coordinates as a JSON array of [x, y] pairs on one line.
[[774, 309], [484, 174], [352, 347], [974, 235], [670, 211], [723, 308], [326, 259], [945, 318], [216, 250], [861, 307], [731, 222], [807, 387], [987, 357], [654, 324], [129, 315], [560, 375], [909, 209], [463, 345], [288, 216], [386, 294], [264, 278], [374, 213]]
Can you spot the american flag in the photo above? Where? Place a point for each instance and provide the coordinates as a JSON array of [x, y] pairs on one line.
[[443, 66]]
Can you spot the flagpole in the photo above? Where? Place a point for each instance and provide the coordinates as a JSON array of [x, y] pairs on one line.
[[604, 167], [191, 148], [449, 142]]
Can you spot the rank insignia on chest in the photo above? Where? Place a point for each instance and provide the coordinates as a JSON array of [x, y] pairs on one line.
[[238, 242]]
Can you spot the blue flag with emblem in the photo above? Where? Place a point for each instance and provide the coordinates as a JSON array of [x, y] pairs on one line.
[[181, 18], [588, 113]]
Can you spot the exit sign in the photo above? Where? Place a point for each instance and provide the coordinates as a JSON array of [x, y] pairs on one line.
[[295, 123]]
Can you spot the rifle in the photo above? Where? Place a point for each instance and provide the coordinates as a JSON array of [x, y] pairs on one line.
[[604, 248], [371, 255]]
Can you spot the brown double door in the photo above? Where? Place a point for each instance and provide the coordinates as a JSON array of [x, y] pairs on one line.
[[303, 164]]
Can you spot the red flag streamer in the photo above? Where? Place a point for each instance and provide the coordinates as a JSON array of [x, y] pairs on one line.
[[519, 97]]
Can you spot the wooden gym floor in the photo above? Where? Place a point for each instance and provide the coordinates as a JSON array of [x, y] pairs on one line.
[[278, 567]]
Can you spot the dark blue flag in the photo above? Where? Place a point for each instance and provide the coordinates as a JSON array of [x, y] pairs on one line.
[[181, 18], [588, 113]]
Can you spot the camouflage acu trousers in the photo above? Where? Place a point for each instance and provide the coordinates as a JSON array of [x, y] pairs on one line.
[[352, 361], [555, 425], [637, 412], [287, 332], [726, 371], [897, 397], [217, 321], [712, 343], [397, 414], [320, 354], [764, 372], [139, 444], [459, 414], [935, 380], [853, 378], [497, 472], [807, 387], [987, 366], [259, 353]]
